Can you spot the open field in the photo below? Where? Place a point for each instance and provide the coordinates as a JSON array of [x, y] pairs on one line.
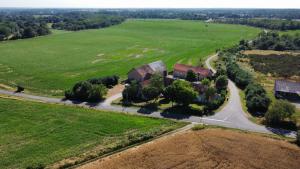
[[208, 148], [51, 64], [38, 133]]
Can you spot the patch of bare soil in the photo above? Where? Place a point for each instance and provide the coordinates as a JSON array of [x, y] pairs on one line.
[[115, 90], [209, 148]]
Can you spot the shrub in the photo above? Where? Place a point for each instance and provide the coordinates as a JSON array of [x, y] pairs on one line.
[[85, 91], [205, 82], [97, 92], [256, 98], [191, 76], [241, 77], [69, 94], [81, 90], [258, 103], [279, 111], [221, 82], [108, 81]]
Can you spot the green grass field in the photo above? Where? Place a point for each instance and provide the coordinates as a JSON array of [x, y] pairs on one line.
[[33, 133], [54, 63]]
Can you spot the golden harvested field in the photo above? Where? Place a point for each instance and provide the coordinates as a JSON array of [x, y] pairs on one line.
[[209, 148]]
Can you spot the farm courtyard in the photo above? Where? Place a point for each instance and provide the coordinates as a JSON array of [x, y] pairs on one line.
[[48, 65]]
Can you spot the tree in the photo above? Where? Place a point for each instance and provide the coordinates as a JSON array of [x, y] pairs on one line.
[[258, 103], [169, 93], [191, 76], [205, 82], [150, 93], [181, 92], [280, 111], [157, 82], [210, 93], [221, 82], [131, 92]]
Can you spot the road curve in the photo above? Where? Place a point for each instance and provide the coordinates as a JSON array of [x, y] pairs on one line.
[[231, 115]]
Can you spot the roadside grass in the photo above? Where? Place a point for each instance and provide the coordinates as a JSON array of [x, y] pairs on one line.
[[54, 135], [50, 64]]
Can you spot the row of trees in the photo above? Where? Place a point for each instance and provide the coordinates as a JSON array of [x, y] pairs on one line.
[[274, 24], [20, 27], [91, 90], [75, 21], [257, 101], [273, 41]]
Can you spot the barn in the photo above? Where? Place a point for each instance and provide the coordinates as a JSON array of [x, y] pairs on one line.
[[144, 72], [287, 89]]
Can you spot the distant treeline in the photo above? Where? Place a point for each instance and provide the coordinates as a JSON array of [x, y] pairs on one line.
[[75, 21], [274, 24], [20, 27], [272, 41]]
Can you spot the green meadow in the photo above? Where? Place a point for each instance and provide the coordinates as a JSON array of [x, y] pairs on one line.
[[48, 65], [37, 133]]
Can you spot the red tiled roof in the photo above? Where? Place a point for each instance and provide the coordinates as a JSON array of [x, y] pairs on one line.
[[198, 70]]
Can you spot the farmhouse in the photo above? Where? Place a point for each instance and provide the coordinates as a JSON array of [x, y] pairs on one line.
[[143, 73], [180, 71], [287, 89]]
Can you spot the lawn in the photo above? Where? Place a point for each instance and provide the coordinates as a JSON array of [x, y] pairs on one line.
[[48, 65], [38, 133]]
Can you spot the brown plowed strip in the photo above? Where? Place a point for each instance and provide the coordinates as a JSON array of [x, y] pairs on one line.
[[210, 148]]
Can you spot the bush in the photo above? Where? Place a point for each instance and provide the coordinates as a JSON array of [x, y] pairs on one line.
[[256, 98], [280, 111], [81, 90], [97, 92], [221, 83], [85, 91], [108, 81]]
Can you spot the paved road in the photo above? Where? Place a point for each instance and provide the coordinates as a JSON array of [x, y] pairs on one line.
[[231, 115]]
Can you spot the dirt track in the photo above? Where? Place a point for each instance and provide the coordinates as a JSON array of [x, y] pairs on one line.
[[210, 148]]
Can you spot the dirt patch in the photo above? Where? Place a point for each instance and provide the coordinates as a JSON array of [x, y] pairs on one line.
[[210, 148], [117, 89]]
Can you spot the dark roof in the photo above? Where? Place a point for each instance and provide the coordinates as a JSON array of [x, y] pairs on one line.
[[197, 70], [287, 86]]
